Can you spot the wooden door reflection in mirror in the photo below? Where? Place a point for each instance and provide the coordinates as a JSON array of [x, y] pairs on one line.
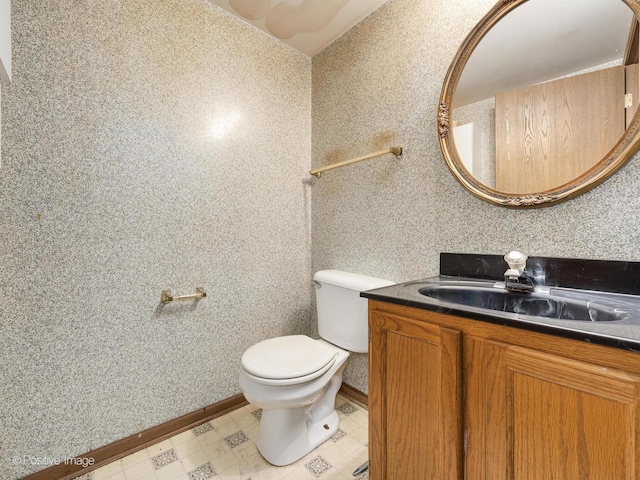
[[537, 96]]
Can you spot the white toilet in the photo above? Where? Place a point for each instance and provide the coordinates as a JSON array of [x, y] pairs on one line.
[[295, 379]]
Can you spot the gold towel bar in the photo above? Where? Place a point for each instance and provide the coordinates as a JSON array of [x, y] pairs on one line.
[[397, 151], [167, 297]]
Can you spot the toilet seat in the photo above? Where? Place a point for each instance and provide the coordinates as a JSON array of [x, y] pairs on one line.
[[288, 360]]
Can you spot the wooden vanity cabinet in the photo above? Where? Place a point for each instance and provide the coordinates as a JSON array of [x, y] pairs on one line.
[[452, 398], [414, 399], [553, 417]]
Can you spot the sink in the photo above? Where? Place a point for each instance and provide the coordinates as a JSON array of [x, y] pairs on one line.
[[570, 306]]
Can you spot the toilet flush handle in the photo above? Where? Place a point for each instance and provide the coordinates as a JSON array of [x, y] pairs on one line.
[[317, 284]]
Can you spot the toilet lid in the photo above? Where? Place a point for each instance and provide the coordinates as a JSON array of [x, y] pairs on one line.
[[287, 357]]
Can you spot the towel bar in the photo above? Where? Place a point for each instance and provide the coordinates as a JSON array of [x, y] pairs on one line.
[[397, 151]]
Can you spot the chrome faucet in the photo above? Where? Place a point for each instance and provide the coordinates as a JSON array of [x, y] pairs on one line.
[[516, 279]]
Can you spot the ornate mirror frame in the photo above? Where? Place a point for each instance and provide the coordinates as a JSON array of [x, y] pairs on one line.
[[624, 149]]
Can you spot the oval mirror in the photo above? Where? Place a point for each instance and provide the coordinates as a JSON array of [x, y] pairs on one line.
[[540, 102]]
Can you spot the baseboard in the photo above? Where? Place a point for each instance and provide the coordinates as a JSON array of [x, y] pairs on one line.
[[354, 395], [126, 446]]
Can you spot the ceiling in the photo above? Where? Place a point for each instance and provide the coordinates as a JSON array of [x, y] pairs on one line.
[[306, 25], [545, 39]]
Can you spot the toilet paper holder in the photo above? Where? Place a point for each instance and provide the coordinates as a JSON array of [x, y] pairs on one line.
[[166, 296]]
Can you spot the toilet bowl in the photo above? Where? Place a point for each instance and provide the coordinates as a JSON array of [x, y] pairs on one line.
[[295, 378], [297, 415]]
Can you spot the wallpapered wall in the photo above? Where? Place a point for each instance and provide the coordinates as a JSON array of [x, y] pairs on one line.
[[379, 85], [146, 145], [151, 145]]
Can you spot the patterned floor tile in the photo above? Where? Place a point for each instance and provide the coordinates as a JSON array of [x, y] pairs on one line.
[[236, 439], [318, 466], [338, 435], [165, 458], [257, 414], [202, 472], [204, 428], [347, 408]]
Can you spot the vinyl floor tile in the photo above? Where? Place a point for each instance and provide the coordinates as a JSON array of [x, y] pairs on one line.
[[225, 449]]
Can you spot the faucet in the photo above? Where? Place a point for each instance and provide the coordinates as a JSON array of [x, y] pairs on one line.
[[516, 279]]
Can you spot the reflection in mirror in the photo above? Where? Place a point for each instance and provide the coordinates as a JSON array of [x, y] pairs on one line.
[[541, 99]]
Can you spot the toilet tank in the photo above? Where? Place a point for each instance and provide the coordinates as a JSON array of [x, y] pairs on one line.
[[342, 313]]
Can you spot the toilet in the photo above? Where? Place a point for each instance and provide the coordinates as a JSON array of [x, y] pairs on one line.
[[295, 378]]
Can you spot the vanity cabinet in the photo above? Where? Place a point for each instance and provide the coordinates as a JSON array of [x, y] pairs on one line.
[[553, 417], [453, 398], [414, 399]]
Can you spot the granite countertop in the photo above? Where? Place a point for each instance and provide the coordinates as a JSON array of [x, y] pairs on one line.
[[624, 334]]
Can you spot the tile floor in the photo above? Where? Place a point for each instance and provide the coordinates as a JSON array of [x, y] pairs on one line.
[[225, 449]]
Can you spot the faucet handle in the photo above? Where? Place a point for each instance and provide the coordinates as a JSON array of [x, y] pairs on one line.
[[516, 261]]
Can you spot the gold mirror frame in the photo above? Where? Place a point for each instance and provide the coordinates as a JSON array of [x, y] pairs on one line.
[[624, 149]]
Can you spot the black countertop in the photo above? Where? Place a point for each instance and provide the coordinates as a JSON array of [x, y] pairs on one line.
[[604, 279]]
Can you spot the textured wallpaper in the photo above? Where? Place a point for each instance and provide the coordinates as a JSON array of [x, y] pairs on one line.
[[379, 85], [150, 145], [145, 146]]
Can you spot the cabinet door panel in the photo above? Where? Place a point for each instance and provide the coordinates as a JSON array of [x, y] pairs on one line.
[[561, 418], [414, 399], [419, 361]]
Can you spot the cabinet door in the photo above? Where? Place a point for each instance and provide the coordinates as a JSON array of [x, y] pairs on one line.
[[414, 399], [549, 417]]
